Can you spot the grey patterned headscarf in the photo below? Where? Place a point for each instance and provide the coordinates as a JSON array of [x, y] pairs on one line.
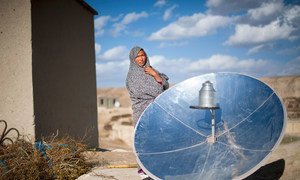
[[142, 87]]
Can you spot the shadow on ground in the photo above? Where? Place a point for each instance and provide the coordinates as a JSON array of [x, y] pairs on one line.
[[271, 171]]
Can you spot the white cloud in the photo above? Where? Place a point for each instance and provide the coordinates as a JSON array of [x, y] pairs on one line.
[[215, 63], [264, 25], [213, 3], [97, 48], [173, 68], [136, 33], [117, 53], [168, 13], [260, 48], [118, 27], [132, 17], [263, 14], [112, 67], [128, 18], [221, 62], [290, 50], [113, 73], [246, 34], [160, 3], [293, 14], [172, 44], [256, 49], [265, 10], [190, 26], [268, 23], [292, 67], [232, 6], [157, 60], [100, 23], [164, 64], [118, 18]]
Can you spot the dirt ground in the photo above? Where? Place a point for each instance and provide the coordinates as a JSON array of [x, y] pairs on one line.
[[284, 162], [117, 161], [112, 153]]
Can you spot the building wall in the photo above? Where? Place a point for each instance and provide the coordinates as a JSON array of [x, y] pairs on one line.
[[16, 97], [64, 74]]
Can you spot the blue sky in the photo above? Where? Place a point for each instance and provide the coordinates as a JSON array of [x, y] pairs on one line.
[[184, 39]]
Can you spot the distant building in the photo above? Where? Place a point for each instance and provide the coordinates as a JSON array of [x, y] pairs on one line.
[[113, 98], [292, 107], [47, 68], [108, 102]]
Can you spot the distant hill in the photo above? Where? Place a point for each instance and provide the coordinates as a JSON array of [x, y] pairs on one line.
[[286, 86]]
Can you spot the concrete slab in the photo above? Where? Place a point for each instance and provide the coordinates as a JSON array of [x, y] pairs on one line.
[[111, 174]]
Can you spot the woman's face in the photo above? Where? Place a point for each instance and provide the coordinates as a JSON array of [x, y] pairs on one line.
[[141, 58]]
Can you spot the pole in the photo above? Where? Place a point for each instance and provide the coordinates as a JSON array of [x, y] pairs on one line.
[[213, 125]]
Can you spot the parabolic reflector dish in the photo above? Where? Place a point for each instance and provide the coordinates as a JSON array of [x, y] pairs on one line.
[[171, 139]]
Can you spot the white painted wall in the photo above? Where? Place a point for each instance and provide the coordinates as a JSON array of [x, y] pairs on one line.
[[16, 91]]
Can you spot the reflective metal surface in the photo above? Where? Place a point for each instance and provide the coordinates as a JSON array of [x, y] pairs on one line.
[[207, 95], [171, 138]]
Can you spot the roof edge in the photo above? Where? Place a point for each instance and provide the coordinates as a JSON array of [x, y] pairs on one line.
[[88, 7]]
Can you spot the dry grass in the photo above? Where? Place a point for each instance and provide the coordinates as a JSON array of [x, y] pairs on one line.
[[54, 159]]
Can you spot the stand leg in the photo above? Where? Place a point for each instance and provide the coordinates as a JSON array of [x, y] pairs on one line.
[[213, 125], [212, 138]]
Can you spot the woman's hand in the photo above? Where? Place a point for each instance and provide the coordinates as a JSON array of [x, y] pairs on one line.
[[149, 70]]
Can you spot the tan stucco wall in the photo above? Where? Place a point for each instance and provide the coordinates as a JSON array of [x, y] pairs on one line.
[[64, 74], [16, 96]]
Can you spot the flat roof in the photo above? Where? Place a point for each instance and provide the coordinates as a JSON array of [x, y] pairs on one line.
[[88, 7]]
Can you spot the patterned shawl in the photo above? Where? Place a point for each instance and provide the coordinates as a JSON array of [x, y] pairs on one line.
[[142, 87]]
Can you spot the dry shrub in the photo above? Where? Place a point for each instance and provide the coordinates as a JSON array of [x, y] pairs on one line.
[[60, 159], [67, 159], [21, 161]]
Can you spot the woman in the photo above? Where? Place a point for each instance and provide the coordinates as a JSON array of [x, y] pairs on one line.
[[144, 84]]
